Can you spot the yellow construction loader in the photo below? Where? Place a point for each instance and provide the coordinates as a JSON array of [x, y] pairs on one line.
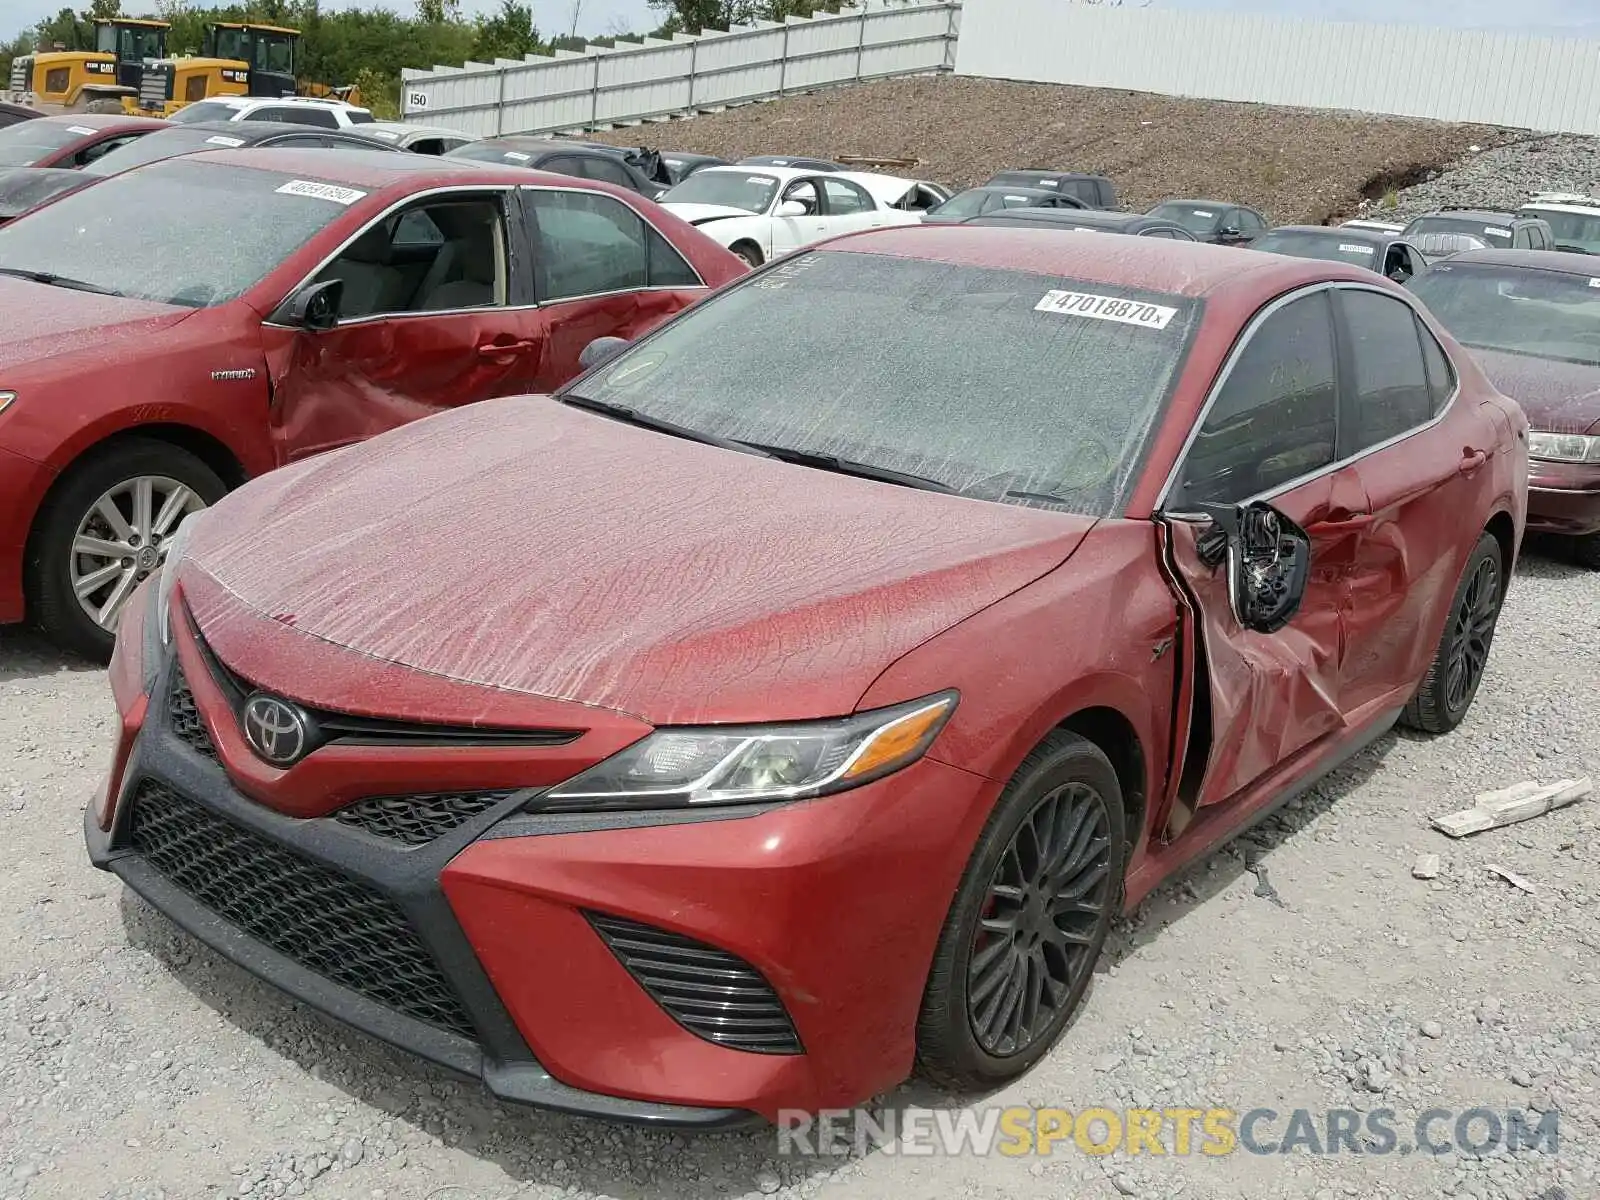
[[237, 59], [104, 79]]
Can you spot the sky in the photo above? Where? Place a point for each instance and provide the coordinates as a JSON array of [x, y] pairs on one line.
[[598, 17]]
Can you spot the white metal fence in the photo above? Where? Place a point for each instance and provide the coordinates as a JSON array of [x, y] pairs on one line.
[[688, 74], [1543, 83]]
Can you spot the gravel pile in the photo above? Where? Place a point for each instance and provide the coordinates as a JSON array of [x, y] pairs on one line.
[[1294, 164], [1501, 178], [1300, 967]]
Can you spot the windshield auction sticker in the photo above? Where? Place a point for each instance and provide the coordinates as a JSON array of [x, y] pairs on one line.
[[1106, 308], [1355, 248], [321, 191]]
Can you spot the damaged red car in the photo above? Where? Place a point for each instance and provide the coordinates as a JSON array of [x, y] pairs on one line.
[[795, 698], [184, 326], [1532, 320]]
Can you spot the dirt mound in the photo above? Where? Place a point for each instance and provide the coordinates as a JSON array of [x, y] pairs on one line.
[[1295, 164]]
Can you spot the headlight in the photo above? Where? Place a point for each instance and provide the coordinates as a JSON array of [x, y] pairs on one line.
[[6, 399], [1564, 447], [734, 764]]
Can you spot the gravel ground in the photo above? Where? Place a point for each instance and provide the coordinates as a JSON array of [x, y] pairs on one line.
[[1300, 967], [1294, 164], [1501, 178]]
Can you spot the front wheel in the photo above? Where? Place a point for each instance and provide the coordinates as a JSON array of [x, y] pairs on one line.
[[1029, 918], [1451, 682], [105, 530], [750, 252]]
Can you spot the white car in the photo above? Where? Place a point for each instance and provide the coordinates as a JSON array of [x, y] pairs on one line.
[[419, 139], [763, 212], [1574, 220], [290, 110]]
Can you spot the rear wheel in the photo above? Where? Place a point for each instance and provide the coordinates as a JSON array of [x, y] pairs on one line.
[[750, 252], [1458, 664], [103, 531], [1028, 921]]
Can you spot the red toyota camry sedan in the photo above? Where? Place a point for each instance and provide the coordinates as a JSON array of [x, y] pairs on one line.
[[795, 698], [189, 324]]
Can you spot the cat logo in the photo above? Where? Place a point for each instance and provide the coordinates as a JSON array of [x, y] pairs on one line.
[[229, 376]]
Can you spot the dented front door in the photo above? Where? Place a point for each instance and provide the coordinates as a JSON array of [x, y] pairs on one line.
[[1273, 695]]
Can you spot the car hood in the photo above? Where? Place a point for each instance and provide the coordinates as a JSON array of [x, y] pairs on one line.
[[39, 322], [699, 214], [519, 544], [1559, 397]]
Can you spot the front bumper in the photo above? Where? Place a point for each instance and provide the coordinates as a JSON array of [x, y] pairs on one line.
[[1564, 498], [837, 903]]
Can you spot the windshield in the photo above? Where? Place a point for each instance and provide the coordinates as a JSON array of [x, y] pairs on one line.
[[1328, 246], [164, 143], [275, 52], [27, 142], [750, 191], [964, 204], [988, 381], [1493, 235], [1572, 231], [1196, 218], [177, 232], [130, 43], [1543, 314], [203, 110]]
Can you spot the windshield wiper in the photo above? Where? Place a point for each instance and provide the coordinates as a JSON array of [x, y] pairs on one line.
[[633, 417], [76, 285], [1039, 497], [844, 466]]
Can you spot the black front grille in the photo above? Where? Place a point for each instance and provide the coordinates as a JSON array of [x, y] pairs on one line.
[[333, 925], [709, 992], [417, 820], [185, 720]]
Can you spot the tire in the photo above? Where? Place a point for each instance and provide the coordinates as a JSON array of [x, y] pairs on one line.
[[952, 1050], [1586, 551], [56, 571], [750, 252], [1453, 677]]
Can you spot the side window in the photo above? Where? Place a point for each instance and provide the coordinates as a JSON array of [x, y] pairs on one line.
[[561, 164], [437, 256], [1276, 417], [1441, 375], [803, 191], [99, 150], [1390, 390], [1250, 222], [590, 244], [607, 171], [845, 197]]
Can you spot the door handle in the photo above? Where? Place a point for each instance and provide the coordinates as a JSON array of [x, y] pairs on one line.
[[1344, 521], [505, 349], [1471, 460]]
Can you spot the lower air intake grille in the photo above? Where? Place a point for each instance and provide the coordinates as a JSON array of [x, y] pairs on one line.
[[708, 991], [326, 922], [417, 820], [185, 718]]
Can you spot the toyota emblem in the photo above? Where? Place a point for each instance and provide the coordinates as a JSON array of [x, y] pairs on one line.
[[277, 731]]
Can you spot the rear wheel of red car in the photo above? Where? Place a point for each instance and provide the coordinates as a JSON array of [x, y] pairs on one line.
[[1586, 551], [1028, 921], [103, 531], [1458, 664]]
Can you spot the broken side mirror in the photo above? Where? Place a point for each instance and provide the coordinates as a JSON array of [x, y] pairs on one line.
[[599, 350], [1268, 560], [315, 308]]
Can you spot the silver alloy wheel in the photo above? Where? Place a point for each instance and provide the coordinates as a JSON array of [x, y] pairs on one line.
[[123, 538]]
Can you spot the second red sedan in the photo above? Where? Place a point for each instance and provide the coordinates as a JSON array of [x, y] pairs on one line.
[[184, 326], [70, 141], [798, 696]]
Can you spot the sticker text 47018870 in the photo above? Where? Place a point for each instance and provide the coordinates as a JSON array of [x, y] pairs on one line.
[[1106, 308]]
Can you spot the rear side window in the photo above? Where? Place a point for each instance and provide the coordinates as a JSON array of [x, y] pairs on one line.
[[607, 171], [1391, 389], [589, 245], [1441, 375], [1276, 417]]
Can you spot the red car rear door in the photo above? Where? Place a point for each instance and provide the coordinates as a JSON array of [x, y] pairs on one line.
[[1425, 468], [436, 311], [1271, 433], [601, 269]]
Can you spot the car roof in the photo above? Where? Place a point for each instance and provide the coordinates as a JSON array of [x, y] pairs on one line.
[[101, 121], [1472, 214], [375, 168], [1581, 207], [1078, 217], [293, 101], [1046, 173], [1190, 269], [781, 174], [1010, 187], [251, 131], [405, 129], [1563, 261], [1342, 232], [688, 156], [1194, 202]]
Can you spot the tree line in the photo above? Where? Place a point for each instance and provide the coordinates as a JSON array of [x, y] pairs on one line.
[[368, 47]]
